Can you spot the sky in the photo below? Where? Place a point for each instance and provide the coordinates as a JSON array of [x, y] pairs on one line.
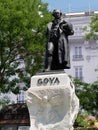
[[69, 6]]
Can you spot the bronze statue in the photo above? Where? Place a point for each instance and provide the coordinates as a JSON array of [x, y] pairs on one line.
[[57, 47]]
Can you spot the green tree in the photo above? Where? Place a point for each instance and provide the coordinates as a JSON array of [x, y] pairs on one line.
[[22, 41], [88, 96], [4, 101], [93, 28]]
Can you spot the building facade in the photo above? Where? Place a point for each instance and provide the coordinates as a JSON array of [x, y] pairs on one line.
[[83, 53]]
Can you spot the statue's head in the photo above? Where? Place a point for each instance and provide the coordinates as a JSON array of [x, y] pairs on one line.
[[57, 13]]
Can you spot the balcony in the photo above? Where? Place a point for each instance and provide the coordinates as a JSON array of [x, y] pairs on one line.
[[77, 57]]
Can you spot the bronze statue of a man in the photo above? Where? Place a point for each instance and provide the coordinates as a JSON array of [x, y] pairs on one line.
[[57, 47]]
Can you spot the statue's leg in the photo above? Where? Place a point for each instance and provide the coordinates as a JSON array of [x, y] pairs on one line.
[[49, 63], [64, 54], [50, 49]]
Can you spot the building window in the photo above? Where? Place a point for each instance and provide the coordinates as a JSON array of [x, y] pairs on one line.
[[78, 53], [79, 73], [21, 97]]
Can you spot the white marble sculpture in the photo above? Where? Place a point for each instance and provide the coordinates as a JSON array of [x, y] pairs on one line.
[[52, 102]]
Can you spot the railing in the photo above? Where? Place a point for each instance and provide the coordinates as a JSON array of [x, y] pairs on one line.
[[77, 57]]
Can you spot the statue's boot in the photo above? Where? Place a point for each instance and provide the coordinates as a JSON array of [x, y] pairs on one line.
[[49, 63]]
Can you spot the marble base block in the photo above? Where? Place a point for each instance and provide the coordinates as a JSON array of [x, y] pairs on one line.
[[52, 102]]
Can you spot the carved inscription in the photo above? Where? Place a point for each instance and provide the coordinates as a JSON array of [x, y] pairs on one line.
[[48, 81]]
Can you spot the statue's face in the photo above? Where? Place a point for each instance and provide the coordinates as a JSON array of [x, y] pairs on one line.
[[57, 14]]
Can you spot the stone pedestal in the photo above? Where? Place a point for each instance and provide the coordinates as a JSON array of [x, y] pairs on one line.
[[52, 102]]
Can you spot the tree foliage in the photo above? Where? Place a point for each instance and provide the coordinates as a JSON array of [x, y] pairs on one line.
[[22, 41], [88, 96], [93, 34]]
